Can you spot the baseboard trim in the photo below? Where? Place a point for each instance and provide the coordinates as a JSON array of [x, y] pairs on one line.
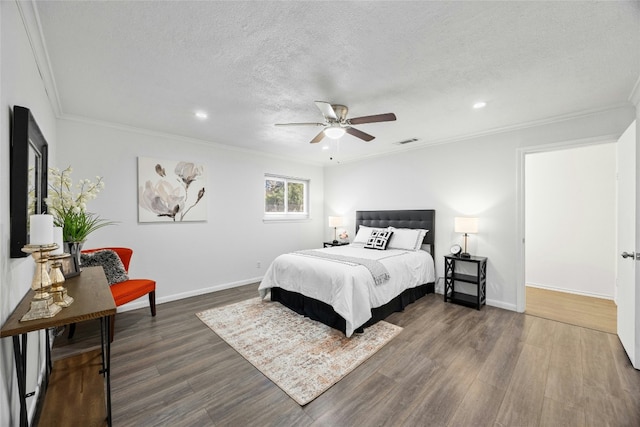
[[491, 302], [143, 302], [501, 304], [570, 291]]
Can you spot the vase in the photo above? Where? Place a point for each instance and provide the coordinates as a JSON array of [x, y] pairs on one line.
[[74, 248]]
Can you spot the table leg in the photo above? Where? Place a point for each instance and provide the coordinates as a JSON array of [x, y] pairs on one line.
[[478, 293], [105, 344], [20, 355], [49, 367]]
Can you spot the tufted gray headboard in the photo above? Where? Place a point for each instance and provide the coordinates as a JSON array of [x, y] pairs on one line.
[[425, 219]]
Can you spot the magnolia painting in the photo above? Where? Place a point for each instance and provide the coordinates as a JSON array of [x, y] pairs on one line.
[[170, 191]]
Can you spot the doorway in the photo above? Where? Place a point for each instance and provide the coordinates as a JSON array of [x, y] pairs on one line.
[[570, 234]]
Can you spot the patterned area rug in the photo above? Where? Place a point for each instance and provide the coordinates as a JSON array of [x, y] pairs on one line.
[[301, 356]]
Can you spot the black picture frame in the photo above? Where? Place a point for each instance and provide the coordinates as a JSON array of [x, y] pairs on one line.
[[69, 266], [29, 168]]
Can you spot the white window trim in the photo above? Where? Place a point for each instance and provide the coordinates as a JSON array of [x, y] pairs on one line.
[[288, 216]]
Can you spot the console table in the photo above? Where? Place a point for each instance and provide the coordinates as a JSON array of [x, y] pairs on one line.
[[92, 300]]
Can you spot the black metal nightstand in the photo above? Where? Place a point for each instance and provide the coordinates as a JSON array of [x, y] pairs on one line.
[[451, 276]]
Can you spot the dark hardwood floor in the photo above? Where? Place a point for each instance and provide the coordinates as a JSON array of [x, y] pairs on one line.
[[451, 366]]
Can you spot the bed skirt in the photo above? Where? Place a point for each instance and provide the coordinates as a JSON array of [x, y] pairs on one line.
[[324, 313]]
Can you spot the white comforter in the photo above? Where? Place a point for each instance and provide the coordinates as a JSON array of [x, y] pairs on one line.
[[349, 288]]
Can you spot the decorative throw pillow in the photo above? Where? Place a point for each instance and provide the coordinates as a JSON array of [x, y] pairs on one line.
[[378, 240], [109, 261]]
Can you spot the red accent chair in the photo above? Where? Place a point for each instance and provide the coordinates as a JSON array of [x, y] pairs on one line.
[[128, 290]]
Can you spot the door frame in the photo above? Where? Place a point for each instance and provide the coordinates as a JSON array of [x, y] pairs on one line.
[[521, 154]]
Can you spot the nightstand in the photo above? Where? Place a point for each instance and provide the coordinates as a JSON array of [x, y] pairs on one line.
[[478, 279], [329, 244]]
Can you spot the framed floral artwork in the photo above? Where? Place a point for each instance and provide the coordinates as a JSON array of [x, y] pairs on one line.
[[171, 191]]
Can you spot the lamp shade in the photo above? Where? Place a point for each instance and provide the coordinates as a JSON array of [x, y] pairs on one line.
[[465, 225], [335, 221]]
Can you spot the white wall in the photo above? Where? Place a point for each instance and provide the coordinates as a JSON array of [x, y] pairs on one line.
[[571, 220], [20, 84], [476, 177], [189, 258]]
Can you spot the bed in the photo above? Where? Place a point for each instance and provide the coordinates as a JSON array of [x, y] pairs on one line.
[[331, 285]]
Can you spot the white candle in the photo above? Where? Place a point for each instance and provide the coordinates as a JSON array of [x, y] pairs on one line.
[[57, 239], [41, 229]]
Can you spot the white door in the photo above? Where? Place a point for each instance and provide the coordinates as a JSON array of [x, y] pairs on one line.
[[628, 274]]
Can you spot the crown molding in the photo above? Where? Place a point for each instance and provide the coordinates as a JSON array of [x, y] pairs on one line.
[[31, 21], [417, 146], [532, 124], [495, 131], [196, 141]]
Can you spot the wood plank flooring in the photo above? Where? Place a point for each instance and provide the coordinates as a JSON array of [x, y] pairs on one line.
[[75, 392], [594, 313], [450, 366]]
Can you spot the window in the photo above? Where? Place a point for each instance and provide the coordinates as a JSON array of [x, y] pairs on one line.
[[285, 198]]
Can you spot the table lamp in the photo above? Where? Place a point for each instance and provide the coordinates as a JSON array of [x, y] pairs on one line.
[[335, 222], [466, 226]]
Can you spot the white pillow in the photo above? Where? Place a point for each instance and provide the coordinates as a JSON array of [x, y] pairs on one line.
[[363, 234], [407, 238]]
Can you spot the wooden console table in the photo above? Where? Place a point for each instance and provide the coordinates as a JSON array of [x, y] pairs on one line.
[[92, 300]]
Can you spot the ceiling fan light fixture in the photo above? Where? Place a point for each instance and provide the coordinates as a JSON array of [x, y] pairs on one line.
[[336, 123], [334, 132]]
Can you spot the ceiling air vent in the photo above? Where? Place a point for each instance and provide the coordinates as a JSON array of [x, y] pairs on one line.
[[406, 141]]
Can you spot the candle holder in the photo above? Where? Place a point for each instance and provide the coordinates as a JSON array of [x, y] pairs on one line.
[[42, 305], [58, 291]]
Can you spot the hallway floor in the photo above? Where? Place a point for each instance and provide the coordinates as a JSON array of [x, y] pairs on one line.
[[589, 312]]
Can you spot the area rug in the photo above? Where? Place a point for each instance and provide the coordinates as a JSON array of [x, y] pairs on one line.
[[301, 356]]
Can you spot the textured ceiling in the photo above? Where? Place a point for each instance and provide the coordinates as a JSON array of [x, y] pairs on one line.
[[250, 65]]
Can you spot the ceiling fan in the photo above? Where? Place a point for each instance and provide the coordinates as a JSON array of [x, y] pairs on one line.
[[336, 122]]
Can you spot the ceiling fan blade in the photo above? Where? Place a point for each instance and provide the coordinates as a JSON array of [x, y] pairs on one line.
[[299, 124], [318, 138], [326, 109], [359, 134], [389, 117]]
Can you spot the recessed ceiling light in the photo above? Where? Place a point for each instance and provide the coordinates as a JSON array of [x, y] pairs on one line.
[[201, 115], [479, 104], [325, 147]]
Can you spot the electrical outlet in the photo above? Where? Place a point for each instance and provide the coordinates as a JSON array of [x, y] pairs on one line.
[[258, 264]]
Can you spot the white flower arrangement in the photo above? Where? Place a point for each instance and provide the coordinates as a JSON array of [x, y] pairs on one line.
[[70, 208]]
